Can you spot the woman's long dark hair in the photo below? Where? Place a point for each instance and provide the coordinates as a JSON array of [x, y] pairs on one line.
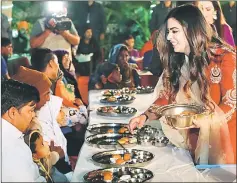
[[198, 34]]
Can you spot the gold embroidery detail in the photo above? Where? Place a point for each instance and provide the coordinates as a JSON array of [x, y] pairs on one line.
[[230, 98], [216, 74]]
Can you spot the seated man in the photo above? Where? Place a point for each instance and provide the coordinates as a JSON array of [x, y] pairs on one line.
[[45, 61], [50, 128], [18, 104]]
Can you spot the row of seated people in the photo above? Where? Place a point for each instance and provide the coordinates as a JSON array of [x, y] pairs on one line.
[[60, 120], [117, 72]]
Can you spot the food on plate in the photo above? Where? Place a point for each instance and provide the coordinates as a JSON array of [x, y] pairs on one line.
[[122, 130], [120, 161], [132, 140], [188, 112], [126, 140], [121, 141], [110, 131], [142, 89], [116, 156], [111, 99], [108, 93], [127, 156], [119, 92], [117, 109], [108, 176], [93, 174]]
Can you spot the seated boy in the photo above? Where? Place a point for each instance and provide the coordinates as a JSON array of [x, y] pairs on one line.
[[43, 157], [107, 76]]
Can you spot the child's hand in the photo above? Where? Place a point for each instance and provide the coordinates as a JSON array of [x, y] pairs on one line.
[[61, 118], [57, 149]]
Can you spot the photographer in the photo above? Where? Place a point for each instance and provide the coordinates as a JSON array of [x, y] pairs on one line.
[[54, 31]]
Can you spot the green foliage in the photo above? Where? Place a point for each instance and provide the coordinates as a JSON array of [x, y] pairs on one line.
[[28, 11], [129, 17]]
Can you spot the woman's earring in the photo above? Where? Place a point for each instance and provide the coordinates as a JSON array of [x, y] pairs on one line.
[[214, 15]]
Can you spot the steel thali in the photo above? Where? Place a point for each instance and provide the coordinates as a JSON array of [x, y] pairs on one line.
[[112, 140], [116, 111], [123, 91], [144, 90], [119, 158], [120, 99], [119, 175], [102, 128]]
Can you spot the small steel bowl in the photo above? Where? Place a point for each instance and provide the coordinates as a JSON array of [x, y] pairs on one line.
[[145, 140], [172, 114], [161, 141]]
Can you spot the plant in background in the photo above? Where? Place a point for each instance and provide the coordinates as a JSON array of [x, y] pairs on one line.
[[126, 17], [28, 11]]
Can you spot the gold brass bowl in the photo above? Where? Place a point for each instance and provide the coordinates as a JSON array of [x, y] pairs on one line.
[[174, 116]]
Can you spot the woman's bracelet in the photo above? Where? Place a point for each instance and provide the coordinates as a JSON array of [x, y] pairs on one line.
[[145, 116]]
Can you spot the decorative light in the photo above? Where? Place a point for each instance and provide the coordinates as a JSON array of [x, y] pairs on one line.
[[55, 6], [4, 7]]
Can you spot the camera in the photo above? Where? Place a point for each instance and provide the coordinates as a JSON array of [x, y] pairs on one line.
[[62, 23]]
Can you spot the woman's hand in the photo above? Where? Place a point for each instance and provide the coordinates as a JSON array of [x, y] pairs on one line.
[[136, 122]]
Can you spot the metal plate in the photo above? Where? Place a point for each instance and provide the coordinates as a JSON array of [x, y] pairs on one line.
[[148, 136], [123, 91], [116, 111], [144, 90], [138, 158], [108, 127], [110, 140], [118, 175], [121, 99]]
